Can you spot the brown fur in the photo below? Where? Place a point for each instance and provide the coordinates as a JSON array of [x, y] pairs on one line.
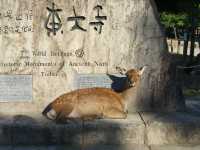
[[92, 103]]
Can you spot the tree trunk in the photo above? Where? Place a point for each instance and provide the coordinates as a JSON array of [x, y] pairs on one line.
[[185, 47], [179, 43], [193, 27], [192, 44], [175, 32], [172, 48]]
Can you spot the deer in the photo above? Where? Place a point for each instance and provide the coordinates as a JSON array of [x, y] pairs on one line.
[[97, 102]]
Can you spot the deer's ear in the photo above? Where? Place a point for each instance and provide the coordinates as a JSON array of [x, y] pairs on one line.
[[142, 70]]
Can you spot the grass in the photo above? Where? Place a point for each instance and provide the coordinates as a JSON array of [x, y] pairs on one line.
[[191, 92]]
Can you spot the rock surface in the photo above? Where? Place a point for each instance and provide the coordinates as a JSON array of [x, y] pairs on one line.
[[147, 129], [172, 128], [173, 147], [24, 130], [131, 37]]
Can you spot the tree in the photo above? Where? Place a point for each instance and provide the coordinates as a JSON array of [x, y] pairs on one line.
[[174, 21], [171, 20], [189, 9]]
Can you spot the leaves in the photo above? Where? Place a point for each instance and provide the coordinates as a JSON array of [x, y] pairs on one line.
[[170, 20]]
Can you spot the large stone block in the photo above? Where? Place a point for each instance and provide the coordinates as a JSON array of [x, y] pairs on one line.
[[26, 130], [175, 147], [69, 147], [31, 131], [5, 134], [118, 147], [5, 130], [29, 147], [172, 128], [6, 148], [54, 51], [46, 147], [114, 132]]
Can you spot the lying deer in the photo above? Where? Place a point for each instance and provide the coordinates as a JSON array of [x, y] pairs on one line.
[[91, 103]]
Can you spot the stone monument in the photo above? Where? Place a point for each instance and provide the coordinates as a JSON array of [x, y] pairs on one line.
[[47, 46]]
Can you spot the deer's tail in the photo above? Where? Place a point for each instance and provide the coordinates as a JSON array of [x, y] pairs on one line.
[[49, 112], [47, 109]]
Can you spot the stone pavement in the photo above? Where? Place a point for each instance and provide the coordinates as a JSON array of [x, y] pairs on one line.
[[100, 147], [140, 131]]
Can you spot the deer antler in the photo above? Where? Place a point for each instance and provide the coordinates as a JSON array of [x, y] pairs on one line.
[[142, 70]]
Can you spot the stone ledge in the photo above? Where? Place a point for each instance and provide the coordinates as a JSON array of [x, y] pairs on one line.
[[67, 147], [172, 128], [129, 131], [100, 147], [24, 130], [144, 129], [175, 147]]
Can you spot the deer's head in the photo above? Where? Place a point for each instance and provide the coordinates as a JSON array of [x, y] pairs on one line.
[[133, 75]]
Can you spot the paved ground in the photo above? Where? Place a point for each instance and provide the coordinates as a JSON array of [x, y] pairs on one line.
[[100, 147], [193, 104], [141, 131]]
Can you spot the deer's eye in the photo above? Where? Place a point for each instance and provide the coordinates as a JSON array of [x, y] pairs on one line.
[[130, 83]]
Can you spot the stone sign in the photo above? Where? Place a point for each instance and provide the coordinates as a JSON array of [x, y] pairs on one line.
[[55, 40], [15, 88], [91, 80]]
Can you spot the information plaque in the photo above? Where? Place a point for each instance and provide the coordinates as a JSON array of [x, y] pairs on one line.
[[15, 88]]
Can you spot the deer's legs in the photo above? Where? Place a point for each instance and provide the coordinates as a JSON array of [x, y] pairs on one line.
[[114, 113], [60, 118], [90, 117]]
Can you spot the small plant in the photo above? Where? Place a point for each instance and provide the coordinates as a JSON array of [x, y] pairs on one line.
[[191, 92]]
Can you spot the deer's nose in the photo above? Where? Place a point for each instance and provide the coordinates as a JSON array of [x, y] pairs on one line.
[[130, 84]]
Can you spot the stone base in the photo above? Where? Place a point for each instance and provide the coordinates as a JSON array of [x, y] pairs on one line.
[[24, 130], [100, 147], [140, 131], [172, 128]]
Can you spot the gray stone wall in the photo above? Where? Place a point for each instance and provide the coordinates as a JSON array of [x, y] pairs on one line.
[[131, 37]]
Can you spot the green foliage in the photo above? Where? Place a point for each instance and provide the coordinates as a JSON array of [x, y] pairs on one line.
[[191, 92], [170, 20]]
